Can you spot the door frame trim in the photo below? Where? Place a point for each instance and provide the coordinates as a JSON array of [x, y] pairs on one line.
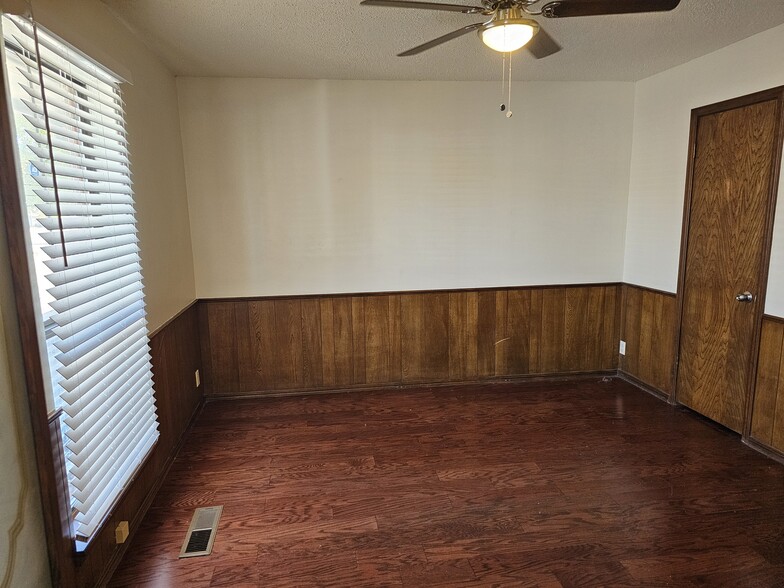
[[777, 94]]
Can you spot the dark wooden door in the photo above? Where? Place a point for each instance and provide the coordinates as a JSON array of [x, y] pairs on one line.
[[735, 153]]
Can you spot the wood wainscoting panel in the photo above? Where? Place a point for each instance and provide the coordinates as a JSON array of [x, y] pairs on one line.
[[767, 421], [424, 330], [649, 329], [310, 343], [175, 357]]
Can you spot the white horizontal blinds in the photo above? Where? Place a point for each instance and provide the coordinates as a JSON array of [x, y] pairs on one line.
[[83, 212]]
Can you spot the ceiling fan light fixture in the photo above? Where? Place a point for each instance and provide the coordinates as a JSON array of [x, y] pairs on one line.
[[508, 37], [508, 31]]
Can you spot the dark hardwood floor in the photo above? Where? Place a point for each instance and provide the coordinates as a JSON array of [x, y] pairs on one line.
[[541, 484]]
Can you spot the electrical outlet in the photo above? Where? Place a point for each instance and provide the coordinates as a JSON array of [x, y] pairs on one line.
[[198, 379], [622, 349], [121, 532]]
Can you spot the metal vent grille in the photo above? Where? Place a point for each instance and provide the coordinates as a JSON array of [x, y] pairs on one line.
[[201, 533]]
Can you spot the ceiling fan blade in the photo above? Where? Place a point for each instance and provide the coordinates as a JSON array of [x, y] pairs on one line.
[[424, 6], [439, 40], [567, 8], [542, 45]]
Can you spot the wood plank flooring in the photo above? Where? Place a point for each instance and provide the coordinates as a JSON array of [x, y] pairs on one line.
[[583, 483]]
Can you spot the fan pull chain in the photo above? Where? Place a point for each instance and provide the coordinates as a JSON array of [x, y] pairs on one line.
[[506, 84], [509, 87], [503, 81]]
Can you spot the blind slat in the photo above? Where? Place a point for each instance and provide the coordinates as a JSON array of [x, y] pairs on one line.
[[63, 277], [82, 259], [53, 251], [66, 183], [83, 173], [73, 341], [86, 487], [54, 99], [99, 450], [122, 320], [78, 439], [79, 435], [93, 281], [84, 209], [85, 363], [89, 519], [88, 130], [79, 222], [65, 132], [93, 104], [85, 445], [80, 159], [82, 394], [97, 297], [75, 146], [80, 446], [82, 197], [73, 325]]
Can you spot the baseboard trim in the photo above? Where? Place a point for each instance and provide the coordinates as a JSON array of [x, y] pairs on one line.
[[652, 390], [554, 377], [770, 452], [765, 450], [118, 555]]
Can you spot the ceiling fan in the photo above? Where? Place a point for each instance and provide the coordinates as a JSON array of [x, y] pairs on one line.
[[509, 28]]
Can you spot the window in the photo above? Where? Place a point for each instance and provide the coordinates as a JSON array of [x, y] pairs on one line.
[[83, 247]]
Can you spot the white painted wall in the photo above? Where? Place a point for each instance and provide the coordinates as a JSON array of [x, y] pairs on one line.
[[303, 186], [23, 558], [663, 106]]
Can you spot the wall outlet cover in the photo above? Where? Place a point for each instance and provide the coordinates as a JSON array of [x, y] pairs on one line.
[[622, 348], [198, 378]]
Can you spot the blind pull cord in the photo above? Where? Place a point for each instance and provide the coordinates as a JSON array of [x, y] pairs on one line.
[[49, 142]]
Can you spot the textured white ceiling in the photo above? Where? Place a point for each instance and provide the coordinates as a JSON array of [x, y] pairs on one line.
[[339, 39]]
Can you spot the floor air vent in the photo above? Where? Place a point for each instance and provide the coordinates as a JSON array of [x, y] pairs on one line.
[[201, 533]]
